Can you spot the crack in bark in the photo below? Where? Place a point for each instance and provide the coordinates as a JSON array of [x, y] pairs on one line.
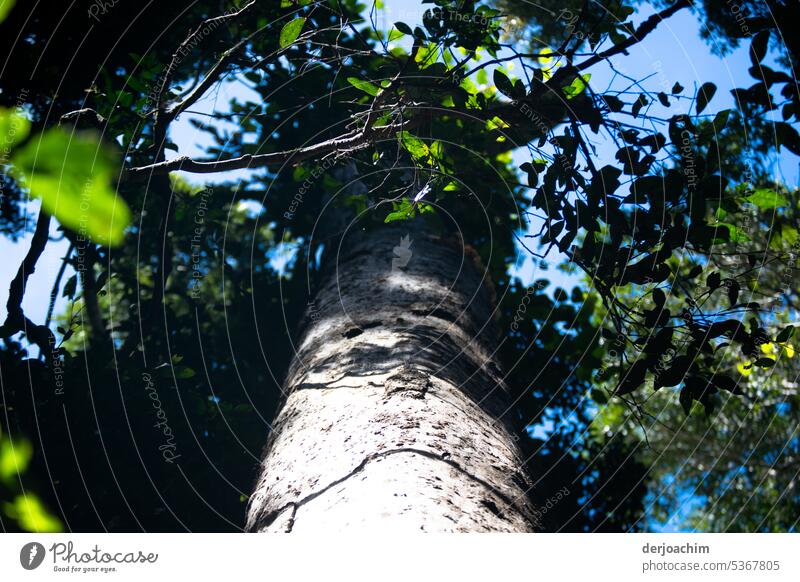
[[269, 518]]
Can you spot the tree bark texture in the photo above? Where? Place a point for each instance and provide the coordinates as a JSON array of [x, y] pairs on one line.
[[395, 416]]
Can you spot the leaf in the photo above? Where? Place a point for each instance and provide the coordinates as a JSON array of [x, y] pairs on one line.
[[659, 298], [764, 362], [70, 287], [758, 48], [766, 198], [503, 83], [713, 280], [404, 28], [31, 514], [415, 146], [675, 374], [638, 104], [13, 127], [184, 372], [632, 378], [685, 398], [786, 333], [72, 174], [14, 458], [395, 34], [696, 270], [788, 137], [364, 86], [725, 382], [290, 32], [402, 211], [704, 95], [577, 86], [614, 103], [733, 292], [5, 8]]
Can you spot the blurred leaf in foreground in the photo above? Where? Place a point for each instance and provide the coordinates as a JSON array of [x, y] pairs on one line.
[[72, 174]]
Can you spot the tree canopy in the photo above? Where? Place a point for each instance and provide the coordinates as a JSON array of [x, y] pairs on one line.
[[142, 399]]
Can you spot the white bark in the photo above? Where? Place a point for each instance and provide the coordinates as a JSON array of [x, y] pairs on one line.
[[395, 413]]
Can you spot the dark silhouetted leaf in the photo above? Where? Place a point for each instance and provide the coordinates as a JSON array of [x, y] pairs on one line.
[[704, 95]]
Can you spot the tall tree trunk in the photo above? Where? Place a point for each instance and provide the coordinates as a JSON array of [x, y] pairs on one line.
[[395, 414]]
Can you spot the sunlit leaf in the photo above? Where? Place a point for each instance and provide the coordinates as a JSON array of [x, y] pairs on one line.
[[577, 86], [402, 211], [364, 86], [766, 198], [5, 8], [415, 146], [744, 368], [14, 458], [395, 34], [290, 32], [13, 127], [31, 514], [72, 174]]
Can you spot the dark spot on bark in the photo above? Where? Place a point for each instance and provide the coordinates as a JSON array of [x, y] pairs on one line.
[[408, 382], [492, 506], [437, 313], [358, 330]]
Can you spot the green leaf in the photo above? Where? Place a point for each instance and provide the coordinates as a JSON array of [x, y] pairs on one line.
[[735, 234], [31, 514], [14, 458], [184, 372], [13, 127], [577, 86], [766, 198], [402, 211], [395, 34], [290, 32], [704, 95], [5, 8], [364, 86], [413, 145], [72, 174]]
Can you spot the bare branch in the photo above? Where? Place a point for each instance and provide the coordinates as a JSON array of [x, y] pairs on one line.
[[648, 26]]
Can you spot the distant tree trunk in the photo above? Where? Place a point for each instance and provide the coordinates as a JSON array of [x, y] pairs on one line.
[[395, 416]]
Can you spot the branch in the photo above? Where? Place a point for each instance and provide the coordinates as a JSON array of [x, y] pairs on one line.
[[648, 26], [183, 49], [57, 285], [15, 318], [343, 144]]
